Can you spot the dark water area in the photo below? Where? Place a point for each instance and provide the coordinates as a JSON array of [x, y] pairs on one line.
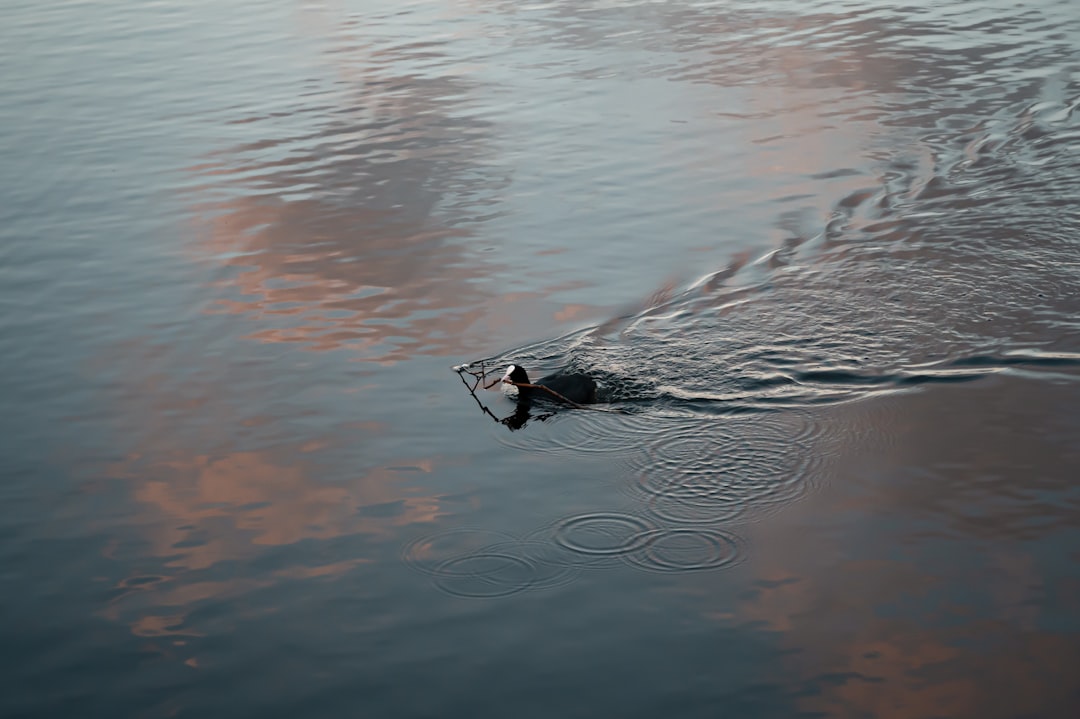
[[823, 258]]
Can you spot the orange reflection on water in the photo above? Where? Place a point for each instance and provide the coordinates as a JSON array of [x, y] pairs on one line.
[[896, 671], [156, 625], [197, 512], [866, 656], [383, 290], [332, 235], [332, 278], [213, 509], [922, 581]]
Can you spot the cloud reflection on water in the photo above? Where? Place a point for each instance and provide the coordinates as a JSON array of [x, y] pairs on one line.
[[351, 235], [933, 576], [342, 236], [357, 232], [202, 517]]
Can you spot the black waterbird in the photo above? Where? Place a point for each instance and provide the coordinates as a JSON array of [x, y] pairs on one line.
[[574, 388]]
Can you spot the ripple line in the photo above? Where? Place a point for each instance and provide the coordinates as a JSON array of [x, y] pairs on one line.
[[549, 568], [684, 549], [602, 534], [711, 471], [484, 574], [482, 563], [429, 554], [575, 432], [693, 503]]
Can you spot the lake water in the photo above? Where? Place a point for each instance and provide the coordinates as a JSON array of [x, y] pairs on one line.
[[824, 258]]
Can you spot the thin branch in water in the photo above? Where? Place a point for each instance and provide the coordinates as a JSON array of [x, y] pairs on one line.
[[472, 391]]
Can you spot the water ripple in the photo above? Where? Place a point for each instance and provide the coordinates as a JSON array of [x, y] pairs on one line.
[[465, 562], [685, 549], [603, 534], [484, 574], [711, 471], [470, 562], [429, 554]]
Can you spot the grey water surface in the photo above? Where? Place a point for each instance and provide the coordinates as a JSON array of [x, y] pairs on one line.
[[823, 257]]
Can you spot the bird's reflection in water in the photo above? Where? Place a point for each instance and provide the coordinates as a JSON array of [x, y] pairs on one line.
[[521, 416]]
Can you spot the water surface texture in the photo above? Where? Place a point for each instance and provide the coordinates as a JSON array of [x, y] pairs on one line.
[[823, 257]]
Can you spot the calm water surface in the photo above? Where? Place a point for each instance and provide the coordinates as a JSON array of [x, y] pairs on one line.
[[824, 258]]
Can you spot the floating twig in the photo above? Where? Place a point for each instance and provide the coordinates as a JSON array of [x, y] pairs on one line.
[[472, 391]]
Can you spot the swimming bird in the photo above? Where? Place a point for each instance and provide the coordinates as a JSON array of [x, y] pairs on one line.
[[576, 388]]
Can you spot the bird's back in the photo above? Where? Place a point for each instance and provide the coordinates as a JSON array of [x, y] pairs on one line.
[[578, 388]]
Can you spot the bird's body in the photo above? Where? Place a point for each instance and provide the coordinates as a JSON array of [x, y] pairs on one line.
[[576, 388]]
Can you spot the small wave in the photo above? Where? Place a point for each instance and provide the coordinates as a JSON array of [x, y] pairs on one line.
[[470, 562], [609, 539], [603, 534], [463, 563], [580, 432], [684, 549], [710, 471], [430, 553], [1033, 358], [484, 574]]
